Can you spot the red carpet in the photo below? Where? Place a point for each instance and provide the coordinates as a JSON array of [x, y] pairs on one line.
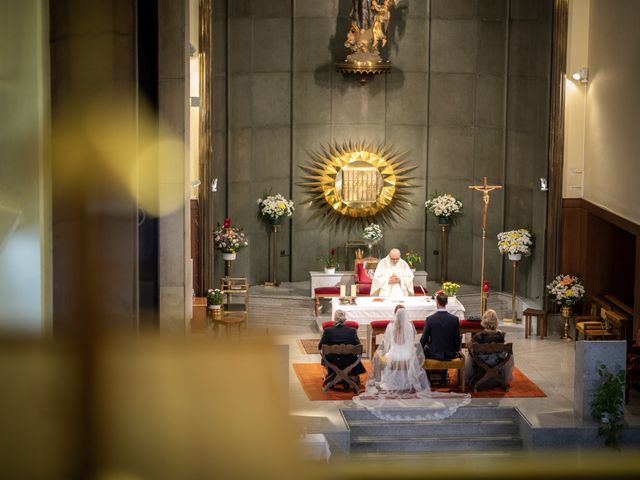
[[310, 376]]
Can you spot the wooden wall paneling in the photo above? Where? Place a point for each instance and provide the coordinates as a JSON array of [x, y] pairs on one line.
[[574, 247]]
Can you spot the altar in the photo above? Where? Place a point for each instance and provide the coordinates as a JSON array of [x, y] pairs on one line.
[[367, 309]]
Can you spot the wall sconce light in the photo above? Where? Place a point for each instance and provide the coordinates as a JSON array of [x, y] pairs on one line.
[[581, 75]]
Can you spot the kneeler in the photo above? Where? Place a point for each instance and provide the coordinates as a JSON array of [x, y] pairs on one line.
[[341, 374], [490, 371]]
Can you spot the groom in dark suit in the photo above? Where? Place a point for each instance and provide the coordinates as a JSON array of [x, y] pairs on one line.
[[441, 336]]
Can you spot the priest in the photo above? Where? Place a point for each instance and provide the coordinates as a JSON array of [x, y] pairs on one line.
[[393, 277]]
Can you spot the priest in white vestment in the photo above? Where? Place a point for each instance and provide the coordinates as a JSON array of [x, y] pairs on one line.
[[393, 277]]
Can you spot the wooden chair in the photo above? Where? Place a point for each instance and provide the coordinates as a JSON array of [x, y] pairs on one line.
[[457, 363], [341, 374], [490, 371]]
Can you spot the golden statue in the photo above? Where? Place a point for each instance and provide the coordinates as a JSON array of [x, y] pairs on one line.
[[369, 22]]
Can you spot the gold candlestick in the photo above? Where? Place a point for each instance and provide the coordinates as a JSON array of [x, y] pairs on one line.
[[514, 279], [274, 257], [566, 315], [443, 251]]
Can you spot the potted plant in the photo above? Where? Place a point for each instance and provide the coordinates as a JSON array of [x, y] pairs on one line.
[[214, 298], [412, 258], [444, 206], [515, 243], [229, 240], [330, 261], [274, 208], [608, 403], [450, 288]]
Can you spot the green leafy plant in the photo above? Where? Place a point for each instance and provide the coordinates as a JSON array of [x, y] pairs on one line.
[[214, 297], [412, 258], [331, 260], [608, 403]]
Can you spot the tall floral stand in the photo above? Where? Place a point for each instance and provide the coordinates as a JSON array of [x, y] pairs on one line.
[[443, 222], [228, 259], [515, 258], [273, 281], [566, 315]]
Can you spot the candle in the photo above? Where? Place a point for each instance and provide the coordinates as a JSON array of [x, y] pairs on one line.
[[227, 223], [343, 290], [353, 290]]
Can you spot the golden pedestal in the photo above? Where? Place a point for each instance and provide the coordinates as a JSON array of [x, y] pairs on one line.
[[566, 315]]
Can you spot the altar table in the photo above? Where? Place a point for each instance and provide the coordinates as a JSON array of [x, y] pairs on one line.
[[367, 309]]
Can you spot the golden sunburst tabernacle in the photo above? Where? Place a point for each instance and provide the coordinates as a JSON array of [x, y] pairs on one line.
[[354, 183]]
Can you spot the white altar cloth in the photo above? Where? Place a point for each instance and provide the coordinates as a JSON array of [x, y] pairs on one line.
[[418, 308]]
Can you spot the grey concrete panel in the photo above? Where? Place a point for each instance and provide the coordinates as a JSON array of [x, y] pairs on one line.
[[307, 139], [307, 246], [271, 98], [538, 10], [352, 103], [452, 99], [271, 8], [171, 15], [411, 139], [406, 105], [240, 8], [343, 133], [312, 47], [220, 8], [518, 207], [311, 9], [405, 237], [490, 98], [530, 48], [489, 154], [240, 35], [240, 93], [491, 48], [521, 159], [240, 154], [451, 152], [312, 98], [453, 45], [218, 169], [407, 48], [271, 45], [219, 46], [270, 153], [453, 8], [459, 257], [527, 107], [219, 113], [492, 10]]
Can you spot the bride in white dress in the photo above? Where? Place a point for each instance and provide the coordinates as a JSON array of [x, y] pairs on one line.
[[398, 387]]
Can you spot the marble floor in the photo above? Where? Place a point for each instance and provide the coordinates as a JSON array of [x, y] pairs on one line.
[[549, 362]]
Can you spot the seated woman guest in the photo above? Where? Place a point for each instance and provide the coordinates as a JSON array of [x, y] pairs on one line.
[[490, 334], [338, 334]]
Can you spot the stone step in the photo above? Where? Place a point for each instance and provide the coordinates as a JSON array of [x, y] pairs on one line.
[[441, 457], [467, 412], [461, 428], [439, 443]]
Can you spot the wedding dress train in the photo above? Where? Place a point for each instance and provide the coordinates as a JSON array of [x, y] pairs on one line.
[[398, 387]]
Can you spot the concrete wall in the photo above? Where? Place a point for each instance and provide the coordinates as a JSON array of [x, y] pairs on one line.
[[25, 197], [612, 145], [467, 97]]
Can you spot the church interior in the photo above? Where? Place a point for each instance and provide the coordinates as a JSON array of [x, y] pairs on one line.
[[194, 191]]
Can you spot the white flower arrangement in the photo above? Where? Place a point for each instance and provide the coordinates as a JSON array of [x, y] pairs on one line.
[[372, 232], [515, 241], [445, 205], [566, 290], [275, 207], [229, 240]]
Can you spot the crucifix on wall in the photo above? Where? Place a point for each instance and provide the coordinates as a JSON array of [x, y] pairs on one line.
[[485, 188]]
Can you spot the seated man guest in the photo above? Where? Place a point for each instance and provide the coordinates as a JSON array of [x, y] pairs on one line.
[[490, 334], [393, 277], [339, 334]]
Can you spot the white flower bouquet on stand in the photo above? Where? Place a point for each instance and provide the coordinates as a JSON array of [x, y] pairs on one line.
[[444, 207], [515, 243], [274, 208], [372, 233]]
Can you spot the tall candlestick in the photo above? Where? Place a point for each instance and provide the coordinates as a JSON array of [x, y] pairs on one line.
[[353, 290]]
